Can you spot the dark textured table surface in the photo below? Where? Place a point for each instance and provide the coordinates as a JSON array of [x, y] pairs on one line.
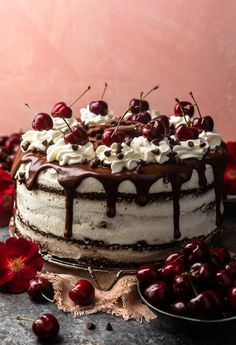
[[74, 331]]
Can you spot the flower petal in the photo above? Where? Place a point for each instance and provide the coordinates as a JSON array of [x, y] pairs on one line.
[[36, 261], [28, 272], [17, 247], [6, 275], [18, 284]]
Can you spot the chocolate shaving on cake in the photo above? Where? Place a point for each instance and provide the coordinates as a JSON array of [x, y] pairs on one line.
[[107, 153], [45, 142], [202, 144], [94, 163], [119, 148], [51, 143], [190, 143], [155, 142], [156, 151], [120, 156], [26, 146], [128, 141]]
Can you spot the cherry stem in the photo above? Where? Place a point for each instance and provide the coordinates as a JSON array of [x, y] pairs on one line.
[[48, 299], [191, 94], [120, 120], [104, 90], [182, 110], [24, 318], [28, 106], [88, 88], [153, 89], [140, 101], [191, 283], [67, 124]]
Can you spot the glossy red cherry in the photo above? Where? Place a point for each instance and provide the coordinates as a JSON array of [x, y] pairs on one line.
[[176, 256], [143, 117], [153, 130], [99, 107], [13, 140], [163, 119], [232, 299], [157, 294], [3, 154], [205, 123], [78, 136], [5, 166], [179, 308], [202, 273], [83, 293], [183, 132], [46, 327], [219, 256], [206, 305], [38, 287], [231, 268], [3, 139], [111, 136], [181, 287], [147, 273], [187, 107], [42, 122], [170, 269], [195, 250], [137, 105], [223, 281], [60, 109]]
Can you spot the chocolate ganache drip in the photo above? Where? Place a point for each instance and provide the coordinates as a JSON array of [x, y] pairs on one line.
[[71, 176]]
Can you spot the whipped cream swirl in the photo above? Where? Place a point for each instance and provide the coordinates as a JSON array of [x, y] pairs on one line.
[[150, 152], [91, 119], [178, 120], [212, 138], [67, 154], [39, 140], [118, 156], [191, 148], [60, 125]]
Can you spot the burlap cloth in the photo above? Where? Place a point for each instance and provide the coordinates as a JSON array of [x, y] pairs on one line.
[[121, 300]]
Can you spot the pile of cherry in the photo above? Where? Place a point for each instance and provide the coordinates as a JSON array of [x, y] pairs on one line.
[[9, 145], [46, 327], [197, 282]]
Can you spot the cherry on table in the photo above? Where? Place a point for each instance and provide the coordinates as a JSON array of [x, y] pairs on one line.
[[232, 299], [38, 287], [202, 273], [42, 122], [231, 268], [147, 273], [183, 132], [181, 287], [187, 107], [153, 130], [110, 136], [157, 294], [83, 293], [46, 327], [77, 136], [60, 109], [176, 256], [206, 305], [223, 281]]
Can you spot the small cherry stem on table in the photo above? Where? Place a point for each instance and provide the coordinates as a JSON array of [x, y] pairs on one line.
[[88, 88], [24, 318], [182, 110], [195, 103], [153, 89], [104, 90], [48, 299]]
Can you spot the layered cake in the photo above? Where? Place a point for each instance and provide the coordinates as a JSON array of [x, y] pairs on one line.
[[118, 191]]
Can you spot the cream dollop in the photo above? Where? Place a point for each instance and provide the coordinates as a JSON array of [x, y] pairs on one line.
[[150, 152], [191, 148], [67, 154], [60, 125], [212, 138], [118, 156], [91, 119], [178, 120], [39, 140]]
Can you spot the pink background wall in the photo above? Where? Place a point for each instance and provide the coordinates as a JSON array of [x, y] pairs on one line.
[[51, 50]]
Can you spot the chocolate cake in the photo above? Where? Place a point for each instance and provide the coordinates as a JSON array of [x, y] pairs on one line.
[[122, 192]]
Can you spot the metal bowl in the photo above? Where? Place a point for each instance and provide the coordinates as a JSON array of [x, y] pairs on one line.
[[188, 324]]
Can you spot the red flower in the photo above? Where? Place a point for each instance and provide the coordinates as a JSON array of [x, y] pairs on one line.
[[19, 262], [6, 197]]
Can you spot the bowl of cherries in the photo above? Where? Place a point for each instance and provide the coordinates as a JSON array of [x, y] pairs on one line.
[[194, 288]]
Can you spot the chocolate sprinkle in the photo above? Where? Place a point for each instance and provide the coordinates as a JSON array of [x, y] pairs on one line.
[[90, 325], [156, 151], [109, 327], [155, 142], [128, 141], [26, 145], [51, 143], [107, 153], [120, 156], [190, 143], [202, 144], [45, 143], [75, 147]]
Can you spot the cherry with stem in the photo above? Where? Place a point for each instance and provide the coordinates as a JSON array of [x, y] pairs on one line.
[[195, 103]]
